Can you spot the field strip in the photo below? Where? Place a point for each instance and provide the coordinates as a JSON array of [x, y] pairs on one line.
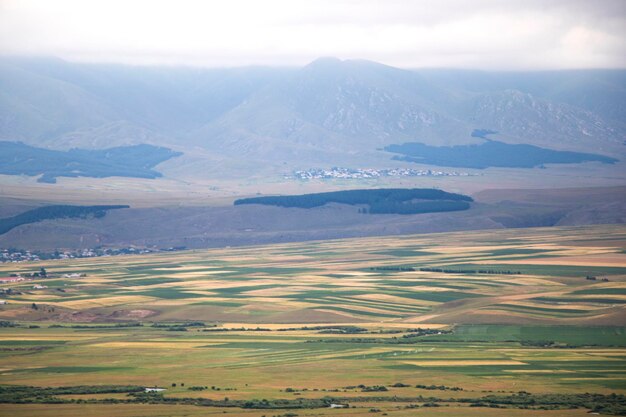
[[107, 301], [63, 338], [615, 260], [619, 354], [540, 371], [419, 288], [185, 268], [548, 306], [393, 299], [591, 378], [509, 312], [352, 309], [531, 280], [198, 273], [586, 351], [478, 362], [223, 340], [274, 292], [570, 357], [52, 298], [368, 325], [515, 297], [292, 358], [404, 308], [421, 318], [154, 345], [262, 353]]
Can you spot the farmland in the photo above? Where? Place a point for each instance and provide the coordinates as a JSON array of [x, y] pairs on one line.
[[450, 321]]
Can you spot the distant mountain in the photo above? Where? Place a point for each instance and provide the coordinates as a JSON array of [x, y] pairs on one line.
[[524, 118], [49, 102], [330, 111], [602, 92], [337, 107]]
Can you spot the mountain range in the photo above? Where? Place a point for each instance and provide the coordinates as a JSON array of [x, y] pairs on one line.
[[327, 112]]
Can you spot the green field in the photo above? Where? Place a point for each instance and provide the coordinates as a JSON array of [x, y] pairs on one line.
[[305, 325]]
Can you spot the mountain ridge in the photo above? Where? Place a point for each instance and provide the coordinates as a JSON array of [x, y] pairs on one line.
[[329, 111]]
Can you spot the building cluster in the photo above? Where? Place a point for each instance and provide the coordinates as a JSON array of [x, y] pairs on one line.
[[14, 278], [17, 255], [22, 255], [369, 173]]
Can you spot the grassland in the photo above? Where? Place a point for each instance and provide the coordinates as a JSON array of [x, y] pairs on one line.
[[515, 311]]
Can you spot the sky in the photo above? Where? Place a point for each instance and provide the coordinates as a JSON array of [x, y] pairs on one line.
[[481, 34]]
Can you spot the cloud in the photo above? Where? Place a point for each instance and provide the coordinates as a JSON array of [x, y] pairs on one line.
[[488, 34]]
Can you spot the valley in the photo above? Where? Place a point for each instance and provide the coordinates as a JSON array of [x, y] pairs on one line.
[[167, 219], [336, 239], [312, 208], [456, 320]]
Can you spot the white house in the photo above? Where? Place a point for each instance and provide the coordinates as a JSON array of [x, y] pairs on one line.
[[155, 389]]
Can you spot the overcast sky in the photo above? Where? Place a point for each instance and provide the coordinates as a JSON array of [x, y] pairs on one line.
[[486, 34]]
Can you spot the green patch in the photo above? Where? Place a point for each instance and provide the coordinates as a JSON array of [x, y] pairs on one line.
[[594, 300], [554, 311], [71, 369], [404, 253], [357, 312], [437, 296], [417, 282], [166, 293], [573, 335], [518, 251], [31, 342], [549, 270], [240, 291], [219, 303], [607, 291], [145, 281]]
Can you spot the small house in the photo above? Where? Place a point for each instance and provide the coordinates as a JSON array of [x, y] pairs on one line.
[[154, 389]]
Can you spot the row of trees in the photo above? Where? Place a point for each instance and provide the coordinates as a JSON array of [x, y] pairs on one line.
[[54, 212], [614, 404]]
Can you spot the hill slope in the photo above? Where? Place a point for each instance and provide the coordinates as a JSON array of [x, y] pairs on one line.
[[328, 112]]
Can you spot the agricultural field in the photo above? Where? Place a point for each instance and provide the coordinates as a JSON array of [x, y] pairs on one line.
[[465, 324]]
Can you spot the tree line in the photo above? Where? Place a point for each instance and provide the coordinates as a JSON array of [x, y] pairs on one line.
[[378, 201], [55, 212]]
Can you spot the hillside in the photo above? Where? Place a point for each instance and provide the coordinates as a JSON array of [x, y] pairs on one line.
[[328, 112], [249, 224], [54, 212]]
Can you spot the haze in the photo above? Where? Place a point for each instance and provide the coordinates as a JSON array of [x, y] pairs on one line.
[[464, 34], [312, 208]]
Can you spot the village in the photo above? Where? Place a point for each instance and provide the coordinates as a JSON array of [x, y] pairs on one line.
[[370, 173], [23, 255], [31, 276]]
